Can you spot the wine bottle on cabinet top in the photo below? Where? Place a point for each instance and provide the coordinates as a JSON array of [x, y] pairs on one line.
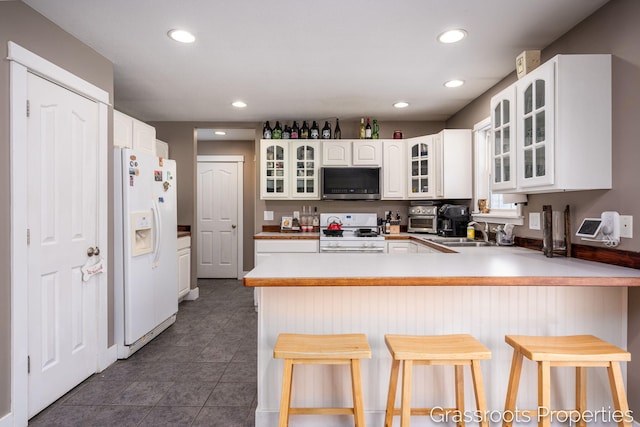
[[294, 130], [337, 133], [361, 132], [314, 132], [277, 131], [375, 132], [286, 133], [367, 130], [266, 130], [326, 131], [304, 130]]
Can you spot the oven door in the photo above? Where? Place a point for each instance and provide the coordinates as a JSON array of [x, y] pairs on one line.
[[331, 247], [422, 224]]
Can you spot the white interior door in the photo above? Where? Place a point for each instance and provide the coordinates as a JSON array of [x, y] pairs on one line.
[[63, 178], [217, 219]]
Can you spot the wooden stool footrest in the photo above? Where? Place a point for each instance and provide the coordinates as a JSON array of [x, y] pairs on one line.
[[321, 411]]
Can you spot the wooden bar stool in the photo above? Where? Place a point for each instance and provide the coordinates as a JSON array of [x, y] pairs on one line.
[[455, 350], [343, 349], [581, 351]]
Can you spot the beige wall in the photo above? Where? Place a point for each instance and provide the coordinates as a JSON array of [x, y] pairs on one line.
[[22, 25], [613, 29]]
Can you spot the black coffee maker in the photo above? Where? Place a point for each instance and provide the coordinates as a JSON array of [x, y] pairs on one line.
[[453, 220]]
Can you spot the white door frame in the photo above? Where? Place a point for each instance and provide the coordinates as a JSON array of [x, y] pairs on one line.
[[22, 62], [240, 161]]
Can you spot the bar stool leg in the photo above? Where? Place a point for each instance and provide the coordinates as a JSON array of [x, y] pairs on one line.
[[581, 393], [478, 388], [619, 396], [358, 404], [544, 393], [459, 379], [407, 372], [285, 399], [391, 397], [512, 389]]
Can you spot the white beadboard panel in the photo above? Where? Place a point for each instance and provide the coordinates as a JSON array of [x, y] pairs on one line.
[[488, 313]]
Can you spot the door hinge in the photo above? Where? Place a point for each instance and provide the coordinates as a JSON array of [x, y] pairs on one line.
[[28, 364], [28, 236], [28, 108]]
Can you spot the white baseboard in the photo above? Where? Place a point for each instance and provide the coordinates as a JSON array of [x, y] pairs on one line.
[[193, 295], [7, 420]]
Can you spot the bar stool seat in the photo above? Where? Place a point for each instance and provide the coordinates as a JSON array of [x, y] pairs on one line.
[[300, 349], [580, 351], [457, 350]]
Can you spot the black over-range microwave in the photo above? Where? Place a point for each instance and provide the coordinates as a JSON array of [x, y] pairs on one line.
[[350, 183]]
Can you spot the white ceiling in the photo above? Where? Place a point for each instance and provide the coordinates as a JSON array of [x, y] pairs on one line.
[[303, 59]]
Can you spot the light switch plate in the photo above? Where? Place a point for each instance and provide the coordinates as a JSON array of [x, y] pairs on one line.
[[268, 215], [534, 220], [626, 226]]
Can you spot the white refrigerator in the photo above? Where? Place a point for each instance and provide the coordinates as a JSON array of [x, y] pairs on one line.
[[146, 262]]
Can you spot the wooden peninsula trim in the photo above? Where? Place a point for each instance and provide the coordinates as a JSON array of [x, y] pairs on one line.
[[443, 281]]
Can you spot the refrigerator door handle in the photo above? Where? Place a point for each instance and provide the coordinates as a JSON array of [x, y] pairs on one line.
[[158, 234]]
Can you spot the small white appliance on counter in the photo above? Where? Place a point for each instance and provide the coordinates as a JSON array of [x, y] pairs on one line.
[[340, 232], [146, 263]]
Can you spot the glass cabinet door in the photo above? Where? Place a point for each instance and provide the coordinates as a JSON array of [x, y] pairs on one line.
[[421, 163], [536, 115], [503, 140], [275, 170], [305, 163]]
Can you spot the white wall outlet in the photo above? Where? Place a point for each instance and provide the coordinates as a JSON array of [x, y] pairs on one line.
[[534, 220], [626, 226], [268, 215]]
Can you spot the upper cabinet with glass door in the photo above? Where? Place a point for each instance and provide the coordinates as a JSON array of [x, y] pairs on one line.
[[306, 165], [535, 114], [562, 128], [274, 157], [289, 169], [422, 160], [503, 128]]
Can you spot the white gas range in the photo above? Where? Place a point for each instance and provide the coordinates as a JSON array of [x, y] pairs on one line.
[[357, 232]]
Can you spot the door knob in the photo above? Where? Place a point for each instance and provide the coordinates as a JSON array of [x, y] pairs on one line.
[[93, 251], [233, 226]]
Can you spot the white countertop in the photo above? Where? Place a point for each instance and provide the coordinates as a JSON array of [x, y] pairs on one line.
[[495, 265]]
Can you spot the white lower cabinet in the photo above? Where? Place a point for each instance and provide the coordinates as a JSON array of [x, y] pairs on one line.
[[184, 266], [264, 249]]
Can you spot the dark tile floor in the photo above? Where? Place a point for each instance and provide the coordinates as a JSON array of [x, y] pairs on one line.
[[201, 371]]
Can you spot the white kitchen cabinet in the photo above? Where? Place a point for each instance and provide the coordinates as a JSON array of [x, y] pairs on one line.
[[266, 248], [394, 169], [274, 169], [289, 169], [132, 133], [344, 152], [305, 166], [424, 249], [562, 127], [336, 152], [184, 266], [503, 154], [366, 152], [439, 166]]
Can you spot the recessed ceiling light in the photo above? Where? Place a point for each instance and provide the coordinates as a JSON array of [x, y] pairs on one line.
[[452, 36], [454, 83], [239, 104], [181, 36], [401, 104], [219, 132]]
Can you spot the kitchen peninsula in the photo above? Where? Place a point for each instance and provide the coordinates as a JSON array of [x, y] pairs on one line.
[[488, 292]]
